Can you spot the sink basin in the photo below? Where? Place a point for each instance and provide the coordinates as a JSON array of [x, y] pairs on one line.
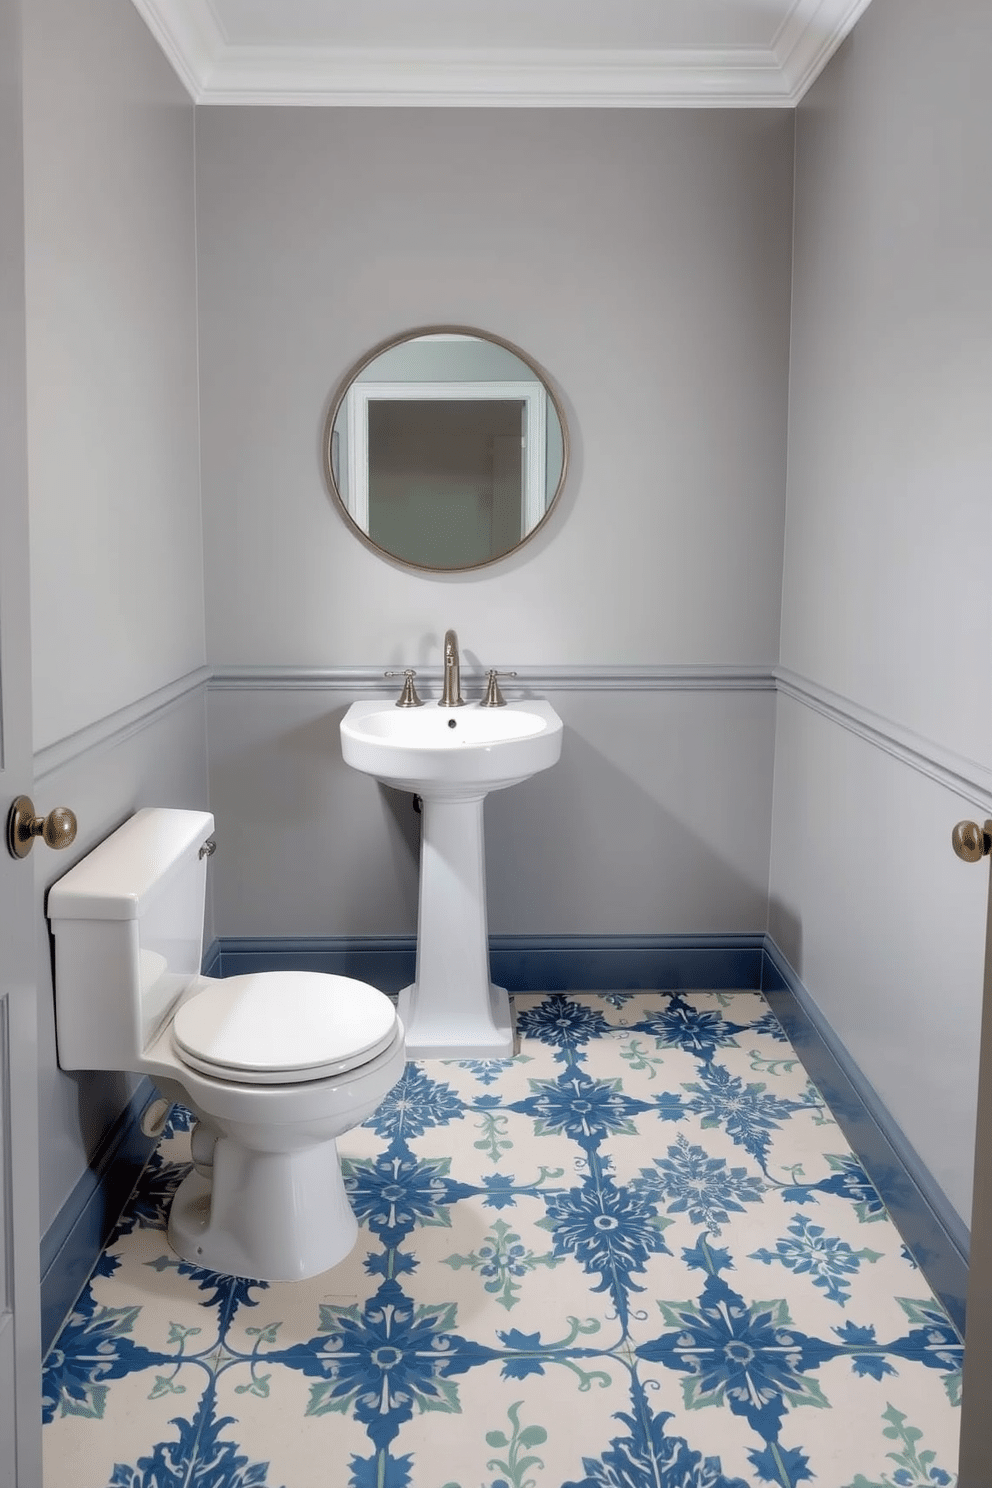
[[452, 758], [451, 752]]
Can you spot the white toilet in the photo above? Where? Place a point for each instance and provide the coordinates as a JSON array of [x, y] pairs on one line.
[[275, 1065]]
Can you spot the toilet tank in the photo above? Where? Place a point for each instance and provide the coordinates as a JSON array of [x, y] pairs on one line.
[[127, 921]]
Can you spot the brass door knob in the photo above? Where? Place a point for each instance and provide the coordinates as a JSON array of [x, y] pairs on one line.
[[58, 828], [972, 842]]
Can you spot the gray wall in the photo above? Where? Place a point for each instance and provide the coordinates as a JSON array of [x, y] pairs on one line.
[[642, 258], [884, 739], [117, 587], [116, 573]]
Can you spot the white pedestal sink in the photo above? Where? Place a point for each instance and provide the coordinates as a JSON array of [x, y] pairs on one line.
[[452, 758]]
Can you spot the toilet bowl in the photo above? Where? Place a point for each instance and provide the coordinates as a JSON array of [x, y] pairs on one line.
[[275, 1066]]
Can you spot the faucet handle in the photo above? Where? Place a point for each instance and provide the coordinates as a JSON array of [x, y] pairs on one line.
[[408, 697], [494, 698]]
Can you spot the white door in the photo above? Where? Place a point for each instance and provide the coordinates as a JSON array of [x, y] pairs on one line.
[[20, 1409], [975, 1467], [20, 1337]]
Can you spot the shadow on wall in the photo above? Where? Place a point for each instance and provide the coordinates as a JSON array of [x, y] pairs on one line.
[[584, 848], [306, 846], [786, 930], [653, 821]]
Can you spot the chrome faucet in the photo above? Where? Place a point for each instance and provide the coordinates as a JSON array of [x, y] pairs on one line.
[[451, 695]]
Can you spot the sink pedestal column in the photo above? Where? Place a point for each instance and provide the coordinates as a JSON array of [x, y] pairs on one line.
[[452, 1010]]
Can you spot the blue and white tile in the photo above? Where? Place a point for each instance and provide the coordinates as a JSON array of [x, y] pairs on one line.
[[641, 1252]]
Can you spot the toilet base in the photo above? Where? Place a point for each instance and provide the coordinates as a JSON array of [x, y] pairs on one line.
[[271, 1216]]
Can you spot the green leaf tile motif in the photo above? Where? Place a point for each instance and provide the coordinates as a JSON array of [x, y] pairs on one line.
[[501, 1261], [916, 1467]]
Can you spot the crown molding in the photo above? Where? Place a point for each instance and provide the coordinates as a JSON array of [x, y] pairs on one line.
[[188, 34], [215, 71], [387, 77], [808, 38]]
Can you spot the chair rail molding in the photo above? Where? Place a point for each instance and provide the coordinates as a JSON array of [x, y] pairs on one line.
[[528, 678], [965, 777], [119, 725]]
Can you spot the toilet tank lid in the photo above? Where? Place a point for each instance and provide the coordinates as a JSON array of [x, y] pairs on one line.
[[115, 879]]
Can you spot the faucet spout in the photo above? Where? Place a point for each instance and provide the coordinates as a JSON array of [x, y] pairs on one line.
[[451, 694]]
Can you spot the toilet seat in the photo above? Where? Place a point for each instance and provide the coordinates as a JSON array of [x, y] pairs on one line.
[[282, 1027]]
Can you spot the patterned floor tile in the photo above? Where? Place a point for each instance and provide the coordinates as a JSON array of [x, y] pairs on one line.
[[640, 1253], [114, 1420], [515, 1431], [286, 1428]]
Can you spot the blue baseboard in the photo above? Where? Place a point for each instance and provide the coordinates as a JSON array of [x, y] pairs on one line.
[[530, 963], [520, 963], [72, 1244], [921, 1211]]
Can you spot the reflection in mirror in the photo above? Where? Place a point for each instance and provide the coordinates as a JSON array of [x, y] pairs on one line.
[[446, 448]]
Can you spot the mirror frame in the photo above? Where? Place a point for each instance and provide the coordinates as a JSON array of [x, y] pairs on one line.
[[337, 402]]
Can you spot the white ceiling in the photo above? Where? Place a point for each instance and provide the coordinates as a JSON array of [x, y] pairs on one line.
[[500, 53]]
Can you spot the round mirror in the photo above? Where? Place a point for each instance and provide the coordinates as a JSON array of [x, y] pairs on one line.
[[446, 448]]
